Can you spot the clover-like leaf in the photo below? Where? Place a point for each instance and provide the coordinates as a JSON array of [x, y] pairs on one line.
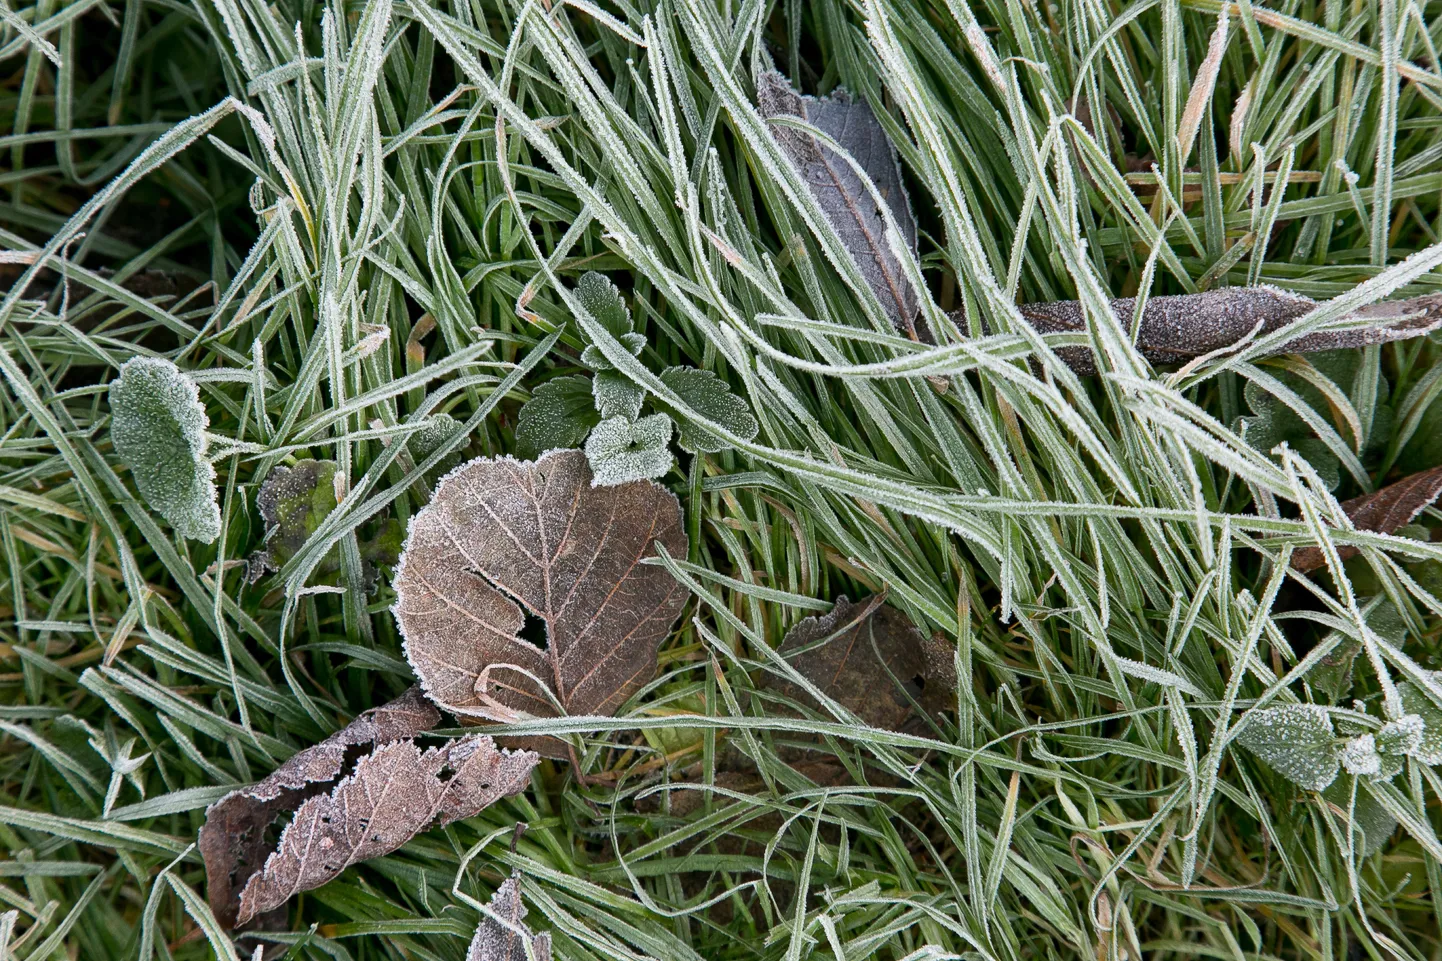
[[870, 659], [840, 190], [559, 414], [1382, 511], [1428, 748], [711, 397], [503, 934], [1359, 755], [1297, 741], [395, 793], [437, 431], [616, 396], [621, 451], [504, 538], [158, 427], [233, 839]]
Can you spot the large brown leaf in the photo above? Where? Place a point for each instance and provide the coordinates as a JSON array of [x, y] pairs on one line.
[[1179, 328], [495, 941], [232, 841], [394, 794], [503, 534], [1382, 511], [869, 658], [841, 192]]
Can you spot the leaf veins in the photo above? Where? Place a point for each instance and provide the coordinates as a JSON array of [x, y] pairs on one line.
[[503, 538]]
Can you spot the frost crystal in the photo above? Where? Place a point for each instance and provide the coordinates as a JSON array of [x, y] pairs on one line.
[[1359, 755], [157, 425], [1402, 736]]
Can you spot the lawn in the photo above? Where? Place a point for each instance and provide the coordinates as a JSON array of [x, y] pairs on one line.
[[712, 480]]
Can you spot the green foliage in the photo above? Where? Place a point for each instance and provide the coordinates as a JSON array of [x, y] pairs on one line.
[[437, 431], [620, 450], [1297, 741], [711, 397], [158, 426], [560, 414]]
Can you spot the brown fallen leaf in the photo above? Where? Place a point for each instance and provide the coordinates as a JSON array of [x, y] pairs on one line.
[[869, 658], [839, 190], [495, 941], [1382, 511], [395, 793], [1179, 328], [502, 531], [233, 839]]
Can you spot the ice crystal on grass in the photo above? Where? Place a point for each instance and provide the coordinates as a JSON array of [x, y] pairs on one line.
[[158, 427], [436, 431]]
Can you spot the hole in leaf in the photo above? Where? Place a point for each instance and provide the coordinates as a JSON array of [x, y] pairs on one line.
[[534, 631]]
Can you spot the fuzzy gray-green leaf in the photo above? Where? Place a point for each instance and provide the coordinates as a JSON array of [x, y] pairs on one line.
[[711, 397], [621, 451], [560, 413], [158, 427], [1296, 741]]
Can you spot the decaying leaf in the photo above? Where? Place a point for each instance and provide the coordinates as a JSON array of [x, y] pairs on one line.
[[1175, 329], [559, 414], [233, 839], [1297, 741], [293, 501], [502, 538], [1382, 511], [395, 793], [840, 191], [158, 425], [498, 941], [869, 658]]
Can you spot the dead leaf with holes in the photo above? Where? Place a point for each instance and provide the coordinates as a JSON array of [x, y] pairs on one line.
[[233, 839], [503, 934], [504, 538], [870, 659], [1382, 511], [394, 793]]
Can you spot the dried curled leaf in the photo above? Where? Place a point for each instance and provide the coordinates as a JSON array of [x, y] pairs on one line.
[[395, 793], [1297, 741], [497, 941], [158, 426], [232, 840], [1382, 511], [1179, 328], [841, 192], [869, 658], [502, 535]]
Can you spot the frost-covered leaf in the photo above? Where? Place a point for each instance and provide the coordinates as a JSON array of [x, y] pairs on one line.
[[1428, 749], [502, 538], [292, 502], [616, 396], [1296, 741], [603, 301], [1401, 737], [559, 414], [437, 431], [1382, 511], [840, 191], [621, 451], [1359, 755], [1368, 815], [869, 658], [1180, 327], [1273, 423], [506, 939], [395, 792], [158, 427], [233, 839], [711, 397]]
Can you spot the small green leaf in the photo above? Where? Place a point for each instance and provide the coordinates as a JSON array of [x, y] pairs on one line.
[[158, 428], [616, 396], [436, 431], [604, 303], [1376, 824], [711, 397], [1428, 748], [1296, 741], [594, 359], [620, 451], [1273, 423], [560, 413], [1359, 755]]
